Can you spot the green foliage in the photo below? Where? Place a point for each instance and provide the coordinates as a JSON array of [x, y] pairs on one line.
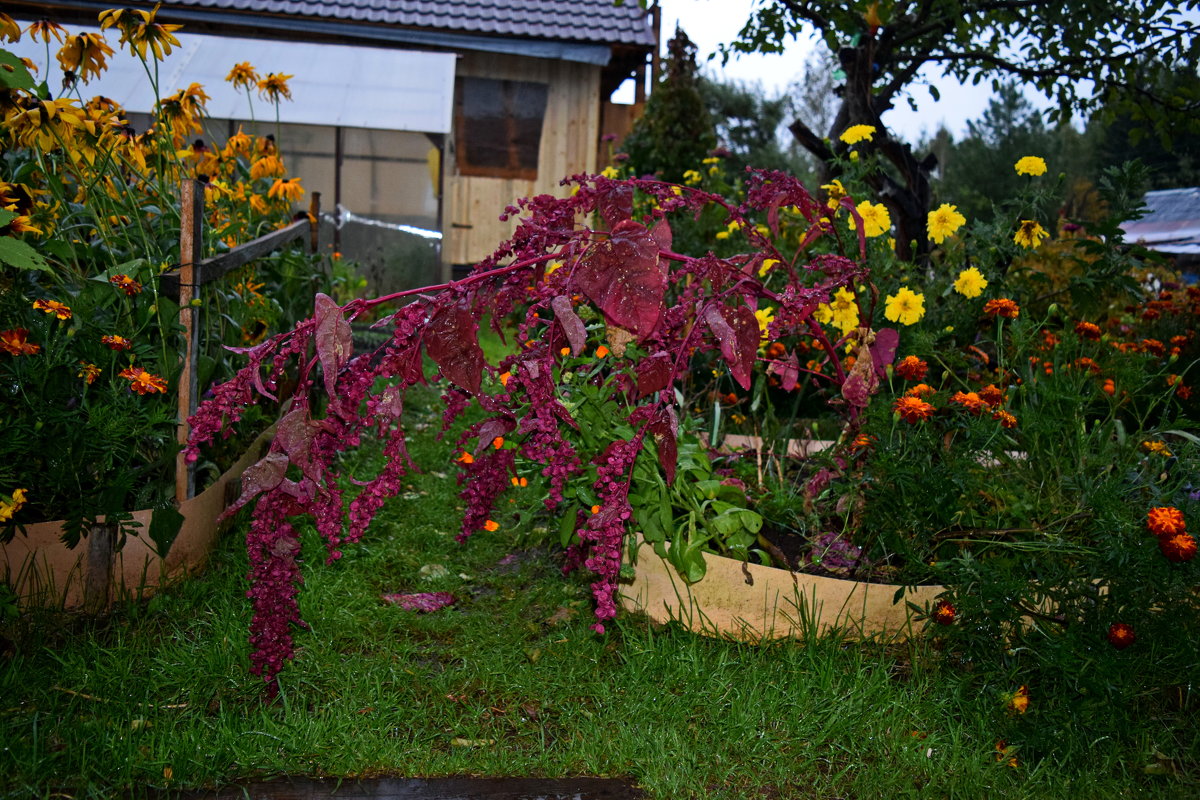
[[676, 131]]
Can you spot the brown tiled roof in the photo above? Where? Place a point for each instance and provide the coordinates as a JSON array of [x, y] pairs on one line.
[[598, 21]]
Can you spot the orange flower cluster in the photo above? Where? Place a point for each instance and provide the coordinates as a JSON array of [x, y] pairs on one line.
[[1168, 524], [1088, 330], [1001, 307], [913, 409], [971, 402], [911, 368]]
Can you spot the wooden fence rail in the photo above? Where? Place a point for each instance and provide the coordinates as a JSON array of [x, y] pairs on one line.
[[182, 284]]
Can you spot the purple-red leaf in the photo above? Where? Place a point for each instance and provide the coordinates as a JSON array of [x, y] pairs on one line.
[[615, 203], [848, 204], [262, 476], [571, 324], [451, 341], [333, 339], [856, 390], [662, 234], [653, 373], [737, 334], [662, 427], [787, 369], [294, 435], [623, 277], [492, 428], [883, 350], [421, 601]]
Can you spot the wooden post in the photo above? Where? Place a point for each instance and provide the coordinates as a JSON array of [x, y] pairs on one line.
[[97, 583], [190, 241], [314, 221]]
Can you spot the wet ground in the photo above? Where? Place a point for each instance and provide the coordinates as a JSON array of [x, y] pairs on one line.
[[423, 789]]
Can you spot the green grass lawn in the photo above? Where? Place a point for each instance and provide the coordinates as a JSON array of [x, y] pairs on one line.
[[508, 681]]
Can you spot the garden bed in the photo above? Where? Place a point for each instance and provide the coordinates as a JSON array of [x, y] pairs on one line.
[[44, 572]]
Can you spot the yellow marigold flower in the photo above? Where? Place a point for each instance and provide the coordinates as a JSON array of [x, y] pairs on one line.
[[43, 29], [765, 317], [1157, 448], [143, 382], [1018, 701], [88, 371], [711, 160], [289, 189], [9, 29], [691, 177], [1030, 234], [84, 55], [274, 86], [9, 508], [943, 222], [1031, 165], [610, 172], [857, 133], [905, 306], [243, 76], [768, 264], [970, 283], [54, 307], [843, 310], [15, 342], [875, 217]]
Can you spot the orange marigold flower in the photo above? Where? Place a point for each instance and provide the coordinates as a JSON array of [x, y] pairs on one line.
[[913, 409], [15, 341], [126, 284], [1109, 386], [1165, 521], [1154, 347], [491, 525], [115, 342], [1087, 363], [520, 481], [921, 390], [60, 310], [971, 402], [1179, 341], [1179, 547], [1018, 701], [1151, 314], [1005, 419], [466, 458], [1120, 635], [1050, 340], [944, 612], [1001, 307], [1183, 392], [1088, 330], [89, 372], [776, 350], [912, 368], [601, 351], [142, 381], [563, 351], [498, 442], [504, 376], [992, 395]]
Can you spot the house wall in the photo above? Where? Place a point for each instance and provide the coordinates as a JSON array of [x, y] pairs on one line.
[[570, 132]]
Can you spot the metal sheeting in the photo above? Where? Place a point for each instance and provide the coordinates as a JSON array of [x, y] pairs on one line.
[[338, 85], [1172, 222]]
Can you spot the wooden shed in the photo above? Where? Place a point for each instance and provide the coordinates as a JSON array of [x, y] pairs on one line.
[[529, 103]]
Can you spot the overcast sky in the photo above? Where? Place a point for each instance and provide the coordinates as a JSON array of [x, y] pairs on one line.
[[710, 23]]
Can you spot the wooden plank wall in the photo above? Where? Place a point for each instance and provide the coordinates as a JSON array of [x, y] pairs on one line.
[[569, 136]]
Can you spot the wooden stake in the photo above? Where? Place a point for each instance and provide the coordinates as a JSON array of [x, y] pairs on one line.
[[190, 241]]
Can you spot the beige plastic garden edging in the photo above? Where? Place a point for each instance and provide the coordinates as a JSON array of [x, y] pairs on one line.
[[43, 571], [750, 602]]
